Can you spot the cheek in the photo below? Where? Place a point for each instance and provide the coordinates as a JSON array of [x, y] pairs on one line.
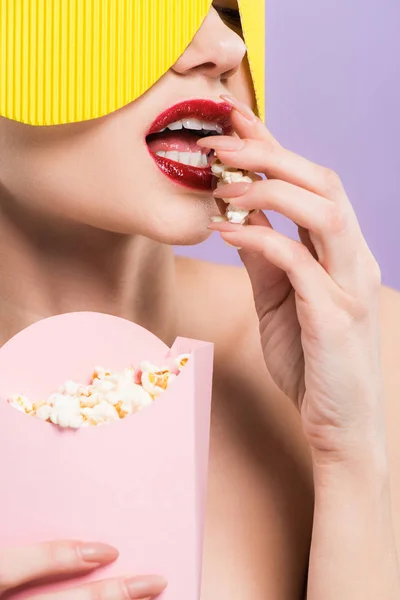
[[114, 188], [83, 181], [100, 175]]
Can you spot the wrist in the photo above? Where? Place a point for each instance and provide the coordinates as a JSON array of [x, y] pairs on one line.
[[358, 448], [357, 476], [353, 530]]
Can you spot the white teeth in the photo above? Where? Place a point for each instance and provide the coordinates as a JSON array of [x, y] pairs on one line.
[[172, 155], [192, 124], [184, 157], [195, 159], [212, 127], [175, 126]]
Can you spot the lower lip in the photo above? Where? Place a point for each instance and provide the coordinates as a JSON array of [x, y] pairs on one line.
[[197, 178]]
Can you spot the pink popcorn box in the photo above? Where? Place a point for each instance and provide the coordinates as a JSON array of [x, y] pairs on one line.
[[138, 484]]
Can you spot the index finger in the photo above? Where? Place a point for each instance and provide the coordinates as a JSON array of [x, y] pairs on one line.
[[19, 566], [257, 150]]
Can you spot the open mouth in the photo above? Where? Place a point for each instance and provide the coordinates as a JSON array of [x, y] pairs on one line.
[[172, 140]]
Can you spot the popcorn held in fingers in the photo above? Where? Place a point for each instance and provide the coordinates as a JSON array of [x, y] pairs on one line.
[[219, 219], [226, 175], [110, 396]]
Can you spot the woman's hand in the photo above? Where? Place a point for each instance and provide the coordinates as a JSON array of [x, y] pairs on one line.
[[22, 566], [318, 305], [318, 299]]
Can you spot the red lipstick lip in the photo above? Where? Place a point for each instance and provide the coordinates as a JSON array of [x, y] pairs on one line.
[[206, 110], [196, 178]]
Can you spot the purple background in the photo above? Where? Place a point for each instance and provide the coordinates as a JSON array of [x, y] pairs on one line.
[[333, 95]]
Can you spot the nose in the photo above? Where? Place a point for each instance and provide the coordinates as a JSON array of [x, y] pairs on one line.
[[215, 52]]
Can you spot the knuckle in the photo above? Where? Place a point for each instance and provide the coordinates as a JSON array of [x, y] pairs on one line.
[[300, 255], [357, 308], [61, 556], [331, 181], [272, 146], [360, 310], [336, 220], [109, 588]]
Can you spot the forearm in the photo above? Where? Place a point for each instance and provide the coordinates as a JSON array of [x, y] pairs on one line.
[[353, 552]]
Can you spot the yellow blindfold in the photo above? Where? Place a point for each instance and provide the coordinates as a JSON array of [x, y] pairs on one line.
[[66, 61]]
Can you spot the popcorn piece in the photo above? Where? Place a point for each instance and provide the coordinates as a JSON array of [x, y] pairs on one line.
[[148, 367], [100, 373], [110, 396], [69, 387], [102, 412], [21, 403], [236, 215], [182, 360], [156, 382], [44, 412], [66, 412], [134, 399], [219, 219], [226, 175]]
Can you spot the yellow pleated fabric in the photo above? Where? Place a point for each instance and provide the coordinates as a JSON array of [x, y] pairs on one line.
[[65, 61], [253, 22]]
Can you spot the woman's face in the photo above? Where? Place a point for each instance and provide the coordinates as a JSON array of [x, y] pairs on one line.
[[102, 173]]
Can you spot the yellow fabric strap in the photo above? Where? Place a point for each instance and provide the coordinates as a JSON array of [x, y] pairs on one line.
[[64, 61]]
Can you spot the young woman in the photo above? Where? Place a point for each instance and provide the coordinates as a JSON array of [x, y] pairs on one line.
[[299, 468]]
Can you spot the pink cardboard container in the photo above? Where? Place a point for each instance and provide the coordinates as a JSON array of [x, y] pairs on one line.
[[138, 484]]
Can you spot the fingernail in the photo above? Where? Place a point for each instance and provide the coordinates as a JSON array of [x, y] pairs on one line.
[[244, 110], [98, 553], [225, 227], [145, 587], [232, 190], [222, 143], [231, 245]]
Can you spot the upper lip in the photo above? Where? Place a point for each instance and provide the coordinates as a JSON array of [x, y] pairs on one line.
[[203, 109]]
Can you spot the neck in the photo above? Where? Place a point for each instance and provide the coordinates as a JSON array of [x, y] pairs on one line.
[[49, 268]]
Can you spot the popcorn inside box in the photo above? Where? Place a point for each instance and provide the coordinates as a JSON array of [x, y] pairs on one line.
[[109, 396], [105, 437]]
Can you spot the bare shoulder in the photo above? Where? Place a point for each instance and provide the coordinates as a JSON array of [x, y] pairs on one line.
[[390, 320], [260, 499], [390, 317], [390, 328]]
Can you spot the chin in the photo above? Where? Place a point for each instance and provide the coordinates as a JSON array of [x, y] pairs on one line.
[[181, 231], [183, 224], [181, 237], [180, 218]]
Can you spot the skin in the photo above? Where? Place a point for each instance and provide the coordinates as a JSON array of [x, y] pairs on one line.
[[309, 427]]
